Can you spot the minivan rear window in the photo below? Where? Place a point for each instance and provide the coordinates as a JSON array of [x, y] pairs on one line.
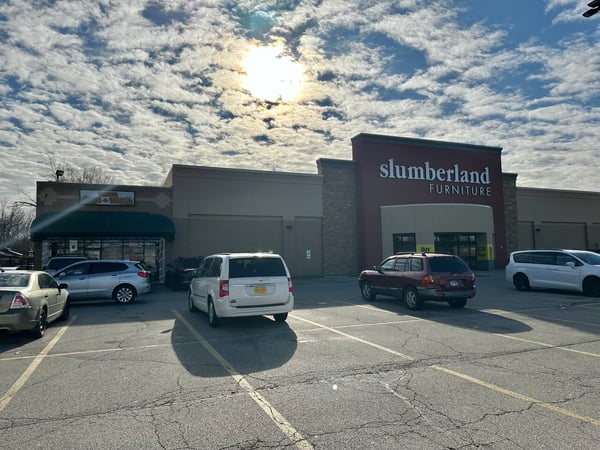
[[256, 267]]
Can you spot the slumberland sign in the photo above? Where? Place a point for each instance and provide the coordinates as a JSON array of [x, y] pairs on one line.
[[450, 180]]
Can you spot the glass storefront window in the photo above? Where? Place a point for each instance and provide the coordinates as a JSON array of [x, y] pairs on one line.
[[405, 242], [148, 251]]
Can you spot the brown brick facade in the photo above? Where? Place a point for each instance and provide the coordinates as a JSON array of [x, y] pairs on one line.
[[509, 181], [340, 254]]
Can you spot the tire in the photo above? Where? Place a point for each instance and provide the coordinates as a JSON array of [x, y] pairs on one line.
[[66, 312], [213, 319], [124, 293], [366, 291], [191, 306], [42, 324], [412, 299], [457, 302], [591, 287], [521, 282], [280, 317]]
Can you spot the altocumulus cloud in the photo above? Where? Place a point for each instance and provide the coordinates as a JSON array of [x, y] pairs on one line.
[[133, 87]]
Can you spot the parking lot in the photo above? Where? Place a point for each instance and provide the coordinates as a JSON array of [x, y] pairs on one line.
[[511, 370]]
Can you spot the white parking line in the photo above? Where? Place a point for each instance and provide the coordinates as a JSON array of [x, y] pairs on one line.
[[463, 376], [501, 312], [293, 434], [12, 391], [542, 344]]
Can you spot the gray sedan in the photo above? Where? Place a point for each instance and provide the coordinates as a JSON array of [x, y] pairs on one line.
[[30, 300]]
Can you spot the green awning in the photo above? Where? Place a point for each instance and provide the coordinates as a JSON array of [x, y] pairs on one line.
[[100, 224]]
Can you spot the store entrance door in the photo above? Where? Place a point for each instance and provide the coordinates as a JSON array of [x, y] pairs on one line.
[[461, 244]]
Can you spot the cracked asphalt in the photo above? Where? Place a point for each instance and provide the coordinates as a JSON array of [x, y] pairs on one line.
[[511, 370]]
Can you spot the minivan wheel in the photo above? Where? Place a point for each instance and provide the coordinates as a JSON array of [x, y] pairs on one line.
[[521, 282], [412, 299], [280, 317], [124, 294], [591, 287], [213, 320], [367, 291], [457, 302], [42, 324]]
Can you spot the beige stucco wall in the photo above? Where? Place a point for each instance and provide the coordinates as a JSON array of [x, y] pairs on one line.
[[53, 197], [427, 219], [558, 219], [228, 210]]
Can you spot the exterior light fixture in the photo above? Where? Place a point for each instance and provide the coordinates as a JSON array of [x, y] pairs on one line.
[[595, 7], [60, 172]]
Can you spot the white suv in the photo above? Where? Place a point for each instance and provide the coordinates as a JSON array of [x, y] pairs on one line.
[[574, 270], [242, 284]]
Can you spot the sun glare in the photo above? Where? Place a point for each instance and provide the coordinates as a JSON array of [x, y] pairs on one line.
[[271, 75]]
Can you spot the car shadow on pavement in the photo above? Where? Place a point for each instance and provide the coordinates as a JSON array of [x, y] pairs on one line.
[[468, 318], [248, 345]]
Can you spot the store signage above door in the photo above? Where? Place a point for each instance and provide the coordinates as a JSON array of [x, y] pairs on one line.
[[106, 198], [442, 181]]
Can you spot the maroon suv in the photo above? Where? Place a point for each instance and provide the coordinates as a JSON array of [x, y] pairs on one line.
[[416, 277]]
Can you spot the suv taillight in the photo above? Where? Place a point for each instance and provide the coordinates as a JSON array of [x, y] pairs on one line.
[[223, 288], [143, 274], [427, 280], [290, 286]]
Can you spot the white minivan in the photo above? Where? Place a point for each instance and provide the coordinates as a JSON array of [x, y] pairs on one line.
[[242, 284], [573, 270]]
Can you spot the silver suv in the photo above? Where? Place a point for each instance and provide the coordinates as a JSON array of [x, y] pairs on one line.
[[573, 270], [242, 284], [59, 262], [121, 280]]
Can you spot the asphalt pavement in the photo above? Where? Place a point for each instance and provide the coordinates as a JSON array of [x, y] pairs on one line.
[[510, 370]]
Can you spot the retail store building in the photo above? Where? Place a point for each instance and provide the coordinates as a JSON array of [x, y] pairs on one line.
[[395, 194]]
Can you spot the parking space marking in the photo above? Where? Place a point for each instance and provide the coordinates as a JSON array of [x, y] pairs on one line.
[[86, 352], [17, 385], [363, 325], [369, 307], [577, 322], [501, 312], [542, 344], [281, 422], [518, 396], [349, 336], [463, 376]]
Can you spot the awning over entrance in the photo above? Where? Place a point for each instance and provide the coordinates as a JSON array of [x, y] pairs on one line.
[[100, 224], [5, 251]]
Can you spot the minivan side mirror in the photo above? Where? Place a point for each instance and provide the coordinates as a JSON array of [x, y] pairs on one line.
[[571, 264]]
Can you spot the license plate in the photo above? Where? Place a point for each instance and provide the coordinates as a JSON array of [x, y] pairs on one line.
[[453, 283], [260, 289]]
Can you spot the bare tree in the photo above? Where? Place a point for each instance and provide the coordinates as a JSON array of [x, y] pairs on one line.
[[71, 174], [15, 221]]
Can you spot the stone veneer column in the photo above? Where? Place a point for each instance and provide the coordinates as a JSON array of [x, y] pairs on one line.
[[340, 250], [511, 218]]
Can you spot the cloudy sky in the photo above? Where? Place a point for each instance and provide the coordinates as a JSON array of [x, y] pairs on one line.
[[132, 87]]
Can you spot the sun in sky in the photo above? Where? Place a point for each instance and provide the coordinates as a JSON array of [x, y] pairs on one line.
[[269, 74]]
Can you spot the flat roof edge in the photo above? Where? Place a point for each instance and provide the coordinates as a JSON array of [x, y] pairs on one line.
[[423, 142]]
